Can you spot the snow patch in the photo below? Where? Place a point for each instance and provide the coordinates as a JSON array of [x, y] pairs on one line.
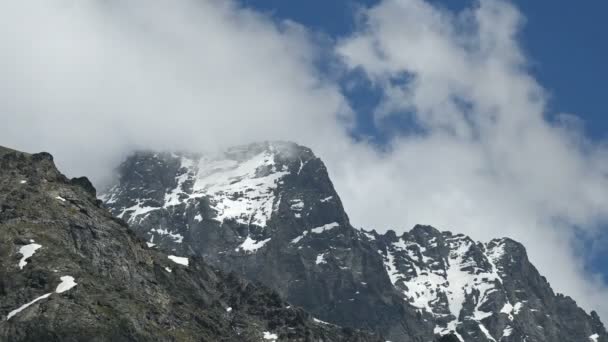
[[27, 252], [177, 237], [321, 229], [450, 328], [297, 205], [316, 320], [297, 239], [240, 185], [270, 336], [511, 310], [321, 259], [25, 306], [178, 260], [67, 282], [243, 191], [172, 198], [370, 236], [486, 332], [135, 211], [594, 337], [250, 245], [424, 281], [302, 165]]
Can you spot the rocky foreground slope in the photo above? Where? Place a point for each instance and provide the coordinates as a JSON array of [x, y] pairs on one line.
[[269, 212], [69, 271]]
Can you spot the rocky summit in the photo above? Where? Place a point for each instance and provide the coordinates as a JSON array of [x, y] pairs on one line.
[[70, 271], [269, 212]]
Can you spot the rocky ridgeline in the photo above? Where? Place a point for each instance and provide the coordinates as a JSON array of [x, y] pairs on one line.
[[269, 212], [70, 271]]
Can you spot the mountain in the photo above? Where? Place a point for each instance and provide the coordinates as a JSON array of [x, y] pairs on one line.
[[270, 212], [69, 271]]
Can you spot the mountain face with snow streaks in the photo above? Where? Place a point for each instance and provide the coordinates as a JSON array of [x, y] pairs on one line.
[[269, 212], [70, 271]]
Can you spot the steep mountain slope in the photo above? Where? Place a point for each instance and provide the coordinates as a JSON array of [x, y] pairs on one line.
[[269, 211], [482, 291], [69, 271]]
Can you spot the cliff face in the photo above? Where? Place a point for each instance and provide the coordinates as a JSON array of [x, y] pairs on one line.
[[69, 271], [269, 212]]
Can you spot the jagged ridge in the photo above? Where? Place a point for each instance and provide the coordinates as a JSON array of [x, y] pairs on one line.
[[270, 212]]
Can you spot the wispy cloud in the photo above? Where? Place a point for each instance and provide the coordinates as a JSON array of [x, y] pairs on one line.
[[91, 80], [487, 163]]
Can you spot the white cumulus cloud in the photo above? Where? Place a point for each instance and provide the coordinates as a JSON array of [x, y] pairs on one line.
[[487, 162]]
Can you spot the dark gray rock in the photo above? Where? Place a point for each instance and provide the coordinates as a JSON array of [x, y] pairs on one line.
[[269, 212], [124, 290]]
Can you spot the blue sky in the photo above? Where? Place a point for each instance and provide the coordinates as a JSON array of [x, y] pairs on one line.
[[565, 43]]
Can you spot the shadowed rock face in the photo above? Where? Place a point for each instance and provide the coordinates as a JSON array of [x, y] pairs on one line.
[[269, 212], [69, 271]]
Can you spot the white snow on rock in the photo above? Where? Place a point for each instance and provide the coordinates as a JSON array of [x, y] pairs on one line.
[[178, 260], [22, 182], [174, 196], [450, 328], [326, 199], [270, 336], [67, 282], [424, 281], [250, 245], [511, 310], [297, 205], [594, 337], [321, 229], [316, 320], [321, 259], [496, 252], [27, 252], [243, 191], [60, 198], [168, 269], [177, 237], [507, 331], [136, 212], [302, 164], [228, 309], [298, 238], [369, 235], [25, 306], [486, 332], [240, 185]]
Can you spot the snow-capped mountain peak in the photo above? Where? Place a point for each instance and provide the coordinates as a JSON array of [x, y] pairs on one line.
[[240, 183], [269, 212]]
